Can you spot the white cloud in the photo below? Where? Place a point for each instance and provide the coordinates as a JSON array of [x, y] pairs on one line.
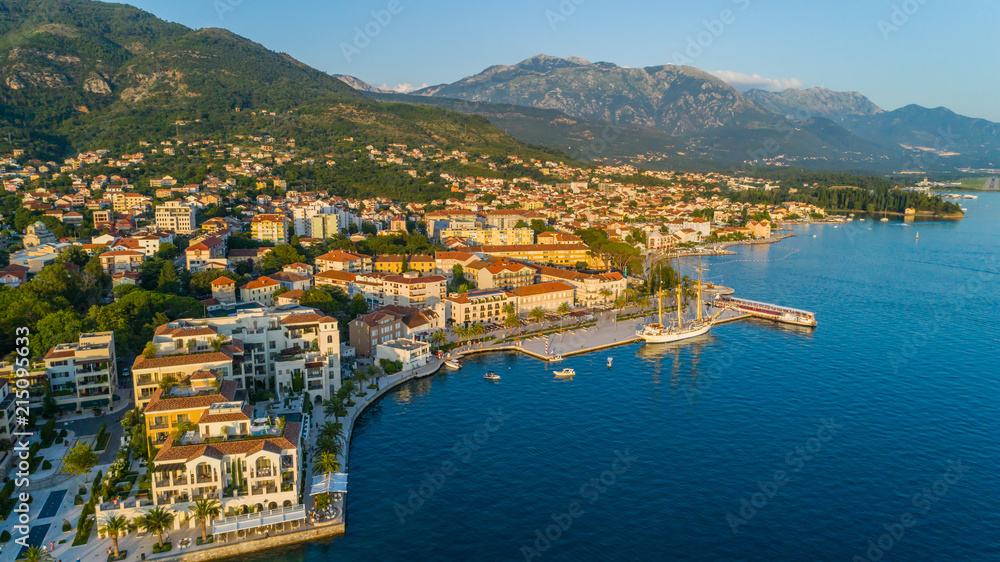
[[402, 88], [742, 81]]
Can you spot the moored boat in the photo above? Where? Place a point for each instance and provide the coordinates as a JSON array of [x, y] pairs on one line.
[[452, 364], [767, 311], [491, 376]]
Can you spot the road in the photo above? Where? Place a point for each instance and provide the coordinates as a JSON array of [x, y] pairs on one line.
[[992, 184]]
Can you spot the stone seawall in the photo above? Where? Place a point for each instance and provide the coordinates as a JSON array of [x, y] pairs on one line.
[[247, 547]]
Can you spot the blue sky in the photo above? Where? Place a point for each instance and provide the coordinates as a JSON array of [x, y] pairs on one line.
[[929, 52]]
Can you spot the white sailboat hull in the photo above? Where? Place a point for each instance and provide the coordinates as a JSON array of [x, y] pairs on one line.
[[672, 335]]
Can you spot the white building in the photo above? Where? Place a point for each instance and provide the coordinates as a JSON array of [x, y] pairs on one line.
[[176, 216]]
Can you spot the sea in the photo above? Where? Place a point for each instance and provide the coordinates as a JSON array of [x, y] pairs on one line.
[[874, 436]]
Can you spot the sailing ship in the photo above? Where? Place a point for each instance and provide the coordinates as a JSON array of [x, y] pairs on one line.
[[657, 332]]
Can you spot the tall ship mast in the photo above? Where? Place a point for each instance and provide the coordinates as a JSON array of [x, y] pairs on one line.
[[657, 332]]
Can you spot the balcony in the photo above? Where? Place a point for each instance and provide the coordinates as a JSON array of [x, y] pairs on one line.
[[257, 491], [204, 479], [213, 495], [264, 472], [163, 425]]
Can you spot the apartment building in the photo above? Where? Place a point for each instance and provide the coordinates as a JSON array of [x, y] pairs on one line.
[[323, 226], [184, 404], [208, 253], [478, 306], [508, 218], [490, 236], [260, 290], [175, 216], [147, 373], [367, 331], [121, 261], [224, 290], [409, 289], [339, 260], [556, 254], [410, 353], [548, 296], [83, 374], [243, 463], [270, 228], [501, 274], [590, 289], [270, 349]]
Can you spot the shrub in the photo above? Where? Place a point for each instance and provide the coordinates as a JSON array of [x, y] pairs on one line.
[[46, 465], [63, 433], [67, 526], [5, 536]]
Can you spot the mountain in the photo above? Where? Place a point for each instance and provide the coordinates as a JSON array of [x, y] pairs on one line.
[[589, 139], [929, 136], [708, 122], [814, 102], [81, 75], [675, 99], [362, 86]]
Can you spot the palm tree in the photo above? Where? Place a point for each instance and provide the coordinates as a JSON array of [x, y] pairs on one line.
[[605, 293], [35, 554], [204, 510], [461, 332], [537, 314], [478, 330], [563, 308], [328, 444], [326, 463], [114, 526], [333, 430], [508, 308], [360, 378], [333, 407], [439, 338], [156, 520], [512, 320], [347, 388]]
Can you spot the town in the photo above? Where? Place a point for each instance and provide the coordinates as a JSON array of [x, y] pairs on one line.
[[211, 341]]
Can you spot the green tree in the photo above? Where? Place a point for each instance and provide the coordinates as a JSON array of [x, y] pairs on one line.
[[59, 327], [113, 527], [204, 510], [80, 460], [537, 314], [326, 463], [168, 281], [280, 256], [564, 308], [156, 520], [150, 351], [168, 251], [35, 554]]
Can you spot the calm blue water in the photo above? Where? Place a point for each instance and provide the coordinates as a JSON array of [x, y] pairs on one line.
[[904, 363]]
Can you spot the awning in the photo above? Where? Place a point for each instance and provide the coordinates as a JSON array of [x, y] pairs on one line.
[[254, 520], [327, 483]]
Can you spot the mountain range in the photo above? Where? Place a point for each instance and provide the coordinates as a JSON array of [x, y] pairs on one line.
[[79, 74], [709, 120]]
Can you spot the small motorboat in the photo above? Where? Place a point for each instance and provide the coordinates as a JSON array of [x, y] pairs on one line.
[[567, 372], [556, 359], [610, 360], [491, 376], [452, 364]]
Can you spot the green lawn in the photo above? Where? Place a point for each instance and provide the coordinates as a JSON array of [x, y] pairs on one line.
[[973, 183]]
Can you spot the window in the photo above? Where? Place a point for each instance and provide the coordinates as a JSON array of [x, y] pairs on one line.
[[329, 339]]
